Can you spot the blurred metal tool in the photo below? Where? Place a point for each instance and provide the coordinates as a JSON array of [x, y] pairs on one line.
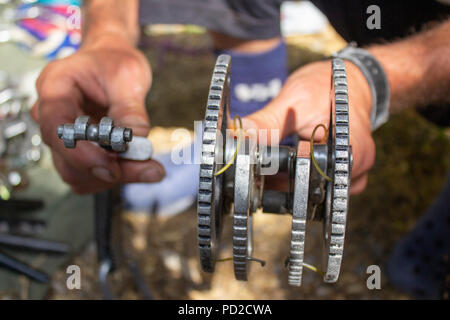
[[107, 203], [22, 268], [21, 204], [33, 244], [107, 207], [138, 278], [28, 244], [105, 210], [22, 226], [20, 141]]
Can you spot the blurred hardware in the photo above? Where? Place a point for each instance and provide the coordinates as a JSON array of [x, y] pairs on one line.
[[33, 244], [21, 205], [22, 268], [9, 238], [108, 136], [20, 140], [21, 226], [20, 148]]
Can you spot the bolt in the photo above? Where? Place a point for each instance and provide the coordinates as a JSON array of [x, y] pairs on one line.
[[317, 191], [101, 133], [60, 131], [92, 132], [128, 134]]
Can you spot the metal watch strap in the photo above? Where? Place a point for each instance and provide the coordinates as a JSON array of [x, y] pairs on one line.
[[377, 79]]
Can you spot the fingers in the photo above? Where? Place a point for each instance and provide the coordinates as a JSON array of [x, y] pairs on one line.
[[272, 123], [34, 112], [302, 103], [364, 158], [277, 182], [131, 114], [279, 117], [90, 159], [127, 89], [80, 183], [87, 83], [97, 180], [141, 171], [59, 103], [363, 148], [89, 168], [358, 184]]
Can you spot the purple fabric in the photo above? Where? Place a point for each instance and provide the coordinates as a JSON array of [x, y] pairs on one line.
[[256, 78], [416, 264]]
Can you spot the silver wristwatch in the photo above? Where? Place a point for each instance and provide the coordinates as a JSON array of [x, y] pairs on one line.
[[376, 78]]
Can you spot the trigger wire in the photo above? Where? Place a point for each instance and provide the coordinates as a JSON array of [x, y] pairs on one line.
[[239, 132], [311, 150]]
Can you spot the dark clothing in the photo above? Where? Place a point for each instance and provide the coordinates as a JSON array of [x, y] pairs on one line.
[[399, 18], [260, 19], [246, 19]]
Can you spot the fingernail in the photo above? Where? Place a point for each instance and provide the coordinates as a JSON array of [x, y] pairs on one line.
[[250, 128], [248, 124], [133, 121], [151, 175], [103, 174], [139, 125]]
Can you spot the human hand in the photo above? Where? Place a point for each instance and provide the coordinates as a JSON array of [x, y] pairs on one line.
[[107, 78], [304, 102]]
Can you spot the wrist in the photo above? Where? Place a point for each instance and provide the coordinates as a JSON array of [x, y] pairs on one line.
[[114, 18], [360, 96], [107, 39], [375, 77]]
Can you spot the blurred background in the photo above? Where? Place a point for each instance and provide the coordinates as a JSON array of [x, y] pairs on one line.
[[411, 168]]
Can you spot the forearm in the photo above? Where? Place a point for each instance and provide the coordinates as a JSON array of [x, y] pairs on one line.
[[418, 68], [110, 18]]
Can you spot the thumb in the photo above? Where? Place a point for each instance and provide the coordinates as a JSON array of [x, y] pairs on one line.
[[131, 114], [127, 93], [127, 105], [278, 122]]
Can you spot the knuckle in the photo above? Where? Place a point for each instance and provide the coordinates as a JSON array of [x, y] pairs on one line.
[[46, 86], [49, 69], [363, 183], [363, 151], [369, 160], [133, 63], [56, 78], [130, 63], [45, 91], [48, 139], [360, 185], [48, 133]]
